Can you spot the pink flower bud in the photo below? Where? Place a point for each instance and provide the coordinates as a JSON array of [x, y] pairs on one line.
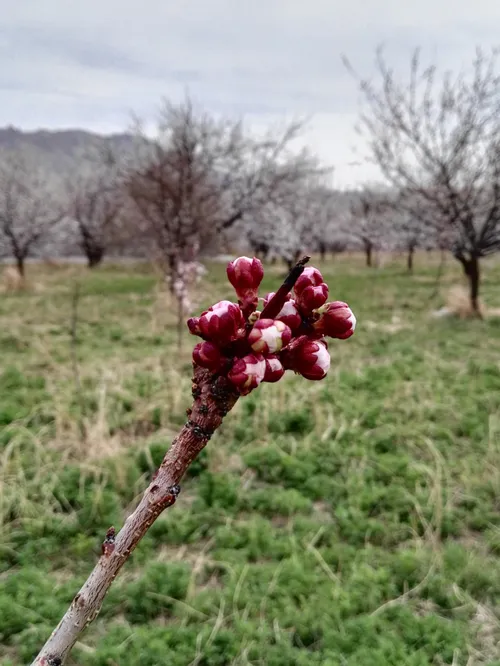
[[247, 373], [310, 277], [310, 358], [312, 297], [269, 336], [222, 323], [336, 320], [245, 275], [274, 369], [194, 325], [208, 355], [288, 314]]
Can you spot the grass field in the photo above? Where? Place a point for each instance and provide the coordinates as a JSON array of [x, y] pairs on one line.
[[349, 522]]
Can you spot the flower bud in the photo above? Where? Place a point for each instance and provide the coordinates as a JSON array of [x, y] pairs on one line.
[[274, 369], [288, 314], [336, 320], [222, 323], [194, 325], [207, 355], [269, 336], [312, 297], [245, 275], [310, 358], [310, 277], [247, 373]]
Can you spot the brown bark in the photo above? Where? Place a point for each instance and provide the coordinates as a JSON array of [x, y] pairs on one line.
[[213, 398], [473, 274], [20, 265], [368, 253], [411, 254]]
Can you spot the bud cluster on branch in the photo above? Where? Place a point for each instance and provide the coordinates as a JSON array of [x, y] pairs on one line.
[[250, 346]]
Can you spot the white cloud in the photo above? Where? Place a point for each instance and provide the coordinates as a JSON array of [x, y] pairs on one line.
[[89, 64]]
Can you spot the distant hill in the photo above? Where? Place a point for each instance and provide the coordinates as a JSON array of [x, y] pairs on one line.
[[58, 147]]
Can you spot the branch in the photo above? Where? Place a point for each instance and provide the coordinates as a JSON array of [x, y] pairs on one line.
[[213, 399], [214, 396], [274, 306]]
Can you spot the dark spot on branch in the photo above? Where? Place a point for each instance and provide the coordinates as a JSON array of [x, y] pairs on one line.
[[54, 661], [108, 545], [175, 490], [200, 432]]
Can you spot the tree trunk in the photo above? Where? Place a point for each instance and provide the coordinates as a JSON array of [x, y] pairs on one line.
[[322, 251], [172, 272], [411, 253], [94, 256], [20, 265], [91, 246], [472, 272], [369, 254]]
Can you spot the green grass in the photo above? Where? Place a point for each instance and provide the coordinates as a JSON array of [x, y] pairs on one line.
[[349, 522]]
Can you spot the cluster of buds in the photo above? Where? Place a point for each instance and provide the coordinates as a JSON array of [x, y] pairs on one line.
[[249, 346]]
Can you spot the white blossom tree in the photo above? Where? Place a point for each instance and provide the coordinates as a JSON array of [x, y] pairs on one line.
[[293, 223], [326, 208], [30, 204]]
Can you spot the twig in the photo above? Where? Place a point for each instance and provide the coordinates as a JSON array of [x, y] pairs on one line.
[[275, 304], [213, 399]]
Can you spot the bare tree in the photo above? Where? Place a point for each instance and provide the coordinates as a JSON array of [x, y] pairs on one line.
[[30, 205], [202, 175], [437, 141], [95, 201]]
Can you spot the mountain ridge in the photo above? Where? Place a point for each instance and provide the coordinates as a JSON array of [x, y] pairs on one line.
[[66, 141]]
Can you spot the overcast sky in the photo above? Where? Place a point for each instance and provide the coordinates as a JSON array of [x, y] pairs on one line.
[[89, 64]]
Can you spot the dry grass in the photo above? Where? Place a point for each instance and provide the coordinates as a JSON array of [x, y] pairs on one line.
[[12, 280]]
